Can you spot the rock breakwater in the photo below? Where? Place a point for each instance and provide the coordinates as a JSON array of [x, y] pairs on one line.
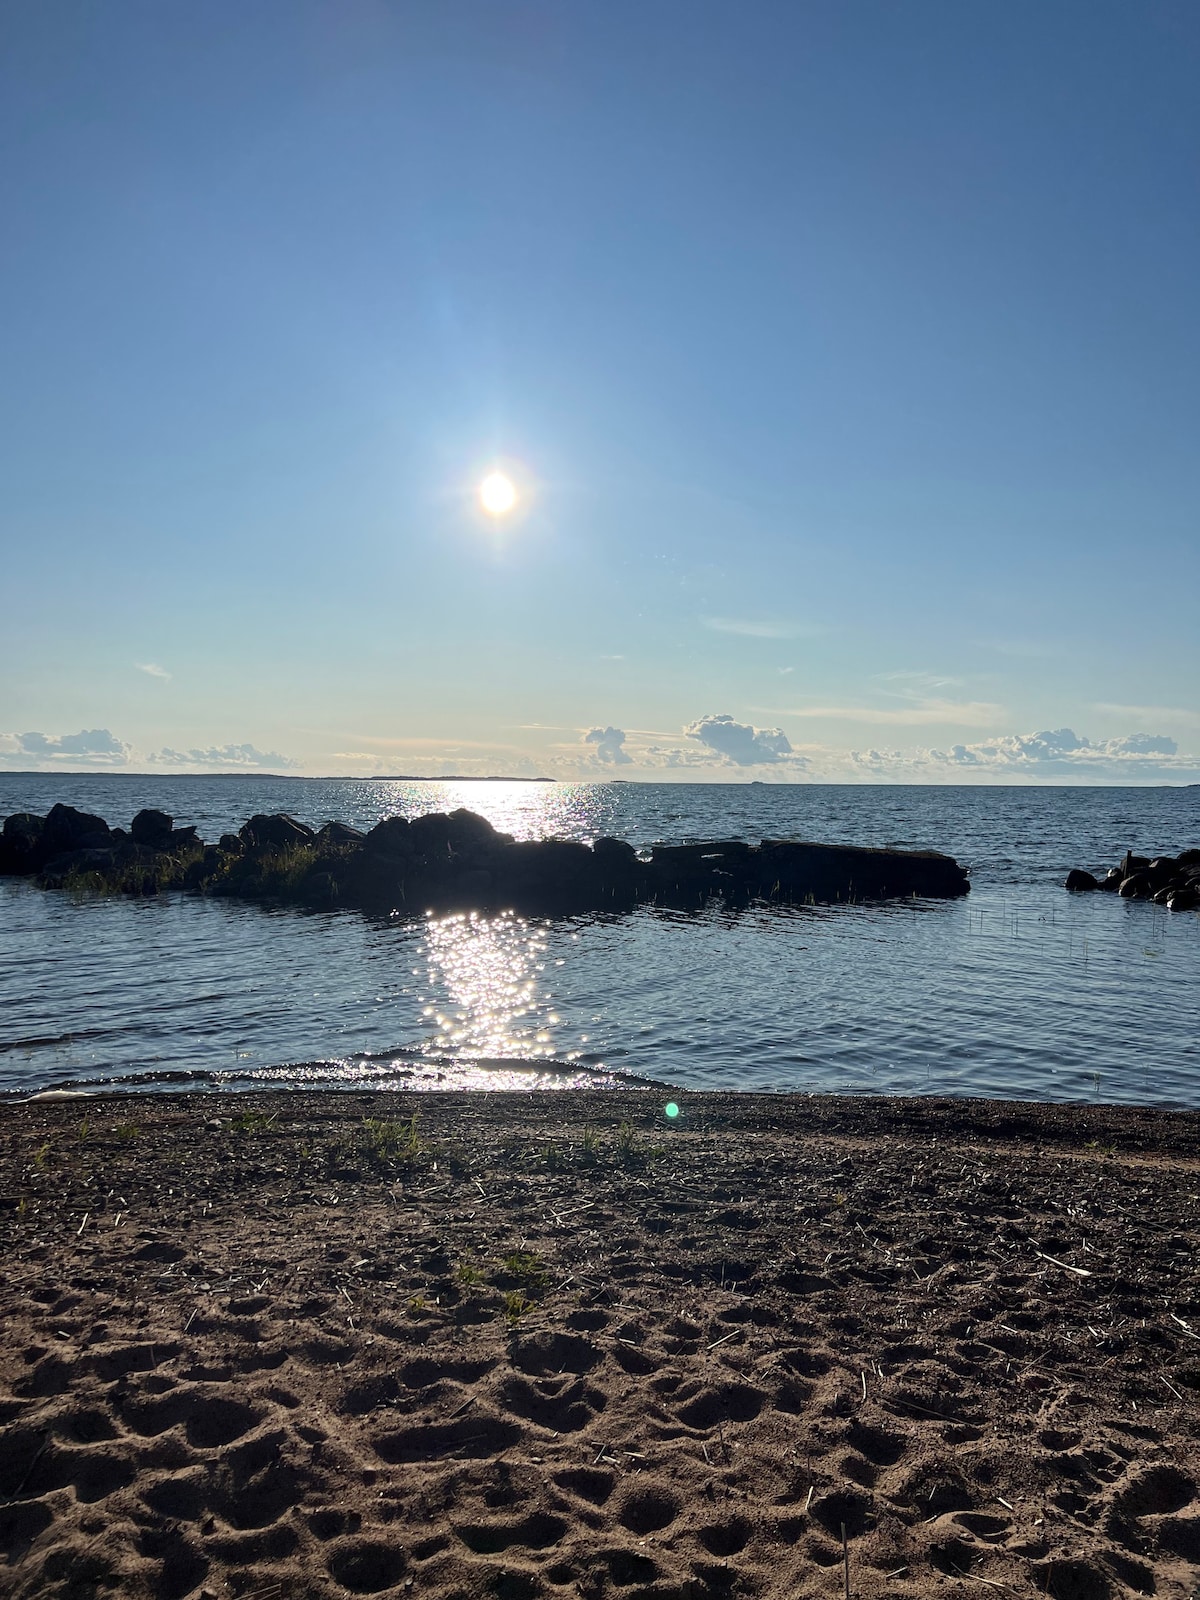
[[1172, 881], [455, 861]]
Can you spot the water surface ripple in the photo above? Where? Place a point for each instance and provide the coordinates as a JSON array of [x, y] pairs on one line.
[[1020, 990]]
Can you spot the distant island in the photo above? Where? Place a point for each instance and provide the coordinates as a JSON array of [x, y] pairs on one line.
[[452, 777]]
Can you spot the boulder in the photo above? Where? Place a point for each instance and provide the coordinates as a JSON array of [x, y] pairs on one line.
[[1137, 886], [21, 843], [1111, 881], [1077, 878], [430, 834], [183, 839], [152, 829], [268, 834], [1183, 899], [25, 826], [390, 837], [67, 829], [231, 844], [470, 833], [340, 833], [614, 850]]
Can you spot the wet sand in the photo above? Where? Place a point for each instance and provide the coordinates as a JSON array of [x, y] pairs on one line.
[[556, 1345]]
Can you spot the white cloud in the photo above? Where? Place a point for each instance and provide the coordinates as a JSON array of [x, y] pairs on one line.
[[1049, 755], [609, 746], [241, 756], [95, 747], [741, 743], [153, 670]]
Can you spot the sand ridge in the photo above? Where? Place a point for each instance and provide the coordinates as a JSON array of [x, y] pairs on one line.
[[556, 1345]]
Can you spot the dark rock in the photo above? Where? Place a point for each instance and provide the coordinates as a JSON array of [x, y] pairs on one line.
[[391, 837], [614, 850], [68, 829], [474, 884], [1160, 896], [340, 833], [21, 843], [469, 833], [24, 825], [73, 863], [278, 832], [320, 888], [1111, 881], [430, 834], [460, 861], [1183, 899], [1137, 886], [152, 828], [1077, 878]]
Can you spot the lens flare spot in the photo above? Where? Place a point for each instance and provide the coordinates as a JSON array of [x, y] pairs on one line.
[[671, 1109]]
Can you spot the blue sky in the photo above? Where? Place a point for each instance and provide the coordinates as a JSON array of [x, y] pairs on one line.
[[846, 356]]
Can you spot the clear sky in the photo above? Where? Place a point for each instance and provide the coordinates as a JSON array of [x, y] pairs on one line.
[[845, 357]]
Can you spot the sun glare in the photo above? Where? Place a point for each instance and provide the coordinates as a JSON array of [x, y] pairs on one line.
[[497, 494]]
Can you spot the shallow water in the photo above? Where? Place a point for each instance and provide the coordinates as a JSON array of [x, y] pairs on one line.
[[1020, 990]]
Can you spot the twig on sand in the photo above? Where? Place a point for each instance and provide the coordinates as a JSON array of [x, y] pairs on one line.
[[1170, 1386], [991, 1582], [722, 1340], [1183, 1325], [808, 1499], [845, 1562], [1080, 1272]]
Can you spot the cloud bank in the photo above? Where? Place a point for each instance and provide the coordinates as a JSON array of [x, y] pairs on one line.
[[1049, 755], [96, 747], [240, 756], [99, 748]]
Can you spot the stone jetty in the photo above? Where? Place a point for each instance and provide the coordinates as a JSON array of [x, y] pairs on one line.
[[1172, 881], [454, 862]]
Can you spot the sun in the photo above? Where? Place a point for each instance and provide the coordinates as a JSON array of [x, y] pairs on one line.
[[497, 494]]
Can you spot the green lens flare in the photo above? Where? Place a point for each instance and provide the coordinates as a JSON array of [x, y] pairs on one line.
[[671, 1108]]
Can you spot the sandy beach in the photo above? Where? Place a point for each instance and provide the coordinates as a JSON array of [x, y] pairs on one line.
[[553, 1345]]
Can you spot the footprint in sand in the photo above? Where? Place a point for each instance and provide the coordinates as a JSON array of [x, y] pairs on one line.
[[209, 1421], [647, 1509], [535, 1532], [589, 1483], [566, 1409], [366, 1566]]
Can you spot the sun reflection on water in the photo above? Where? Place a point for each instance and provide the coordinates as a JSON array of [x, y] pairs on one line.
[[485, 972], [526, 810]]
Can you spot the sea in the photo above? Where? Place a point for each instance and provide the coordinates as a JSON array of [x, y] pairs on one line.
[[1018, 991]]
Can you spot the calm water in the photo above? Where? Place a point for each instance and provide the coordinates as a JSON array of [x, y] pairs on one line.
[[1020, 990]]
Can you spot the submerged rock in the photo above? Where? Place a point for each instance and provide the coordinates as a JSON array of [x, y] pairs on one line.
[[1172, 881]]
